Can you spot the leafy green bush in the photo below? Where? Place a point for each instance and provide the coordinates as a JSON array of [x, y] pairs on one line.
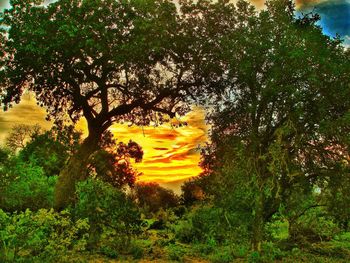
[[46, 152], [152, 197], [254, 257], [175, 252], [28, 188], [271, 252], [136, 250], [185, 232], [42, 236], [203, 224], [240, 250], [276, 229], [314, 227], [224, 255], [112, 215]]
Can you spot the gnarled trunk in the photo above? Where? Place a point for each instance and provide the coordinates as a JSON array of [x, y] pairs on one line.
[[74, 171]]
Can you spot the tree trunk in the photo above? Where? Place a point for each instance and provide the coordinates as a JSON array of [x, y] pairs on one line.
[[258, 223], [74, 171]]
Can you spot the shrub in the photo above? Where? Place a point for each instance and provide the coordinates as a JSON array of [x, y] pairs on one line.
[[152, 197], [203, 224], [210, 223], [314, 227], [42, 236], [175, 252], [271, 252], [136, 250], [28, 188], [185, 232], [254, 257], [222, 256], [192, 191], [112, 215], [46, 152]]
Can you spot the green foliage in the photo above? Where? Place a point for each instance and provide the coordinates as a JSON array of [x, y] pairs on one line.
[[44, 235], [192, 191], [136, 250], [280, 125], [209, 225], [331, 250], [314, 226], [184, 231], [175, 252], [206, 224], [336, 196], [271, 252], [254, 257], [26, 187], [45, 151], [112, 215], [152, 197], [107, 61], [7, 164], [223, 255], [277, 230], [277, 165]]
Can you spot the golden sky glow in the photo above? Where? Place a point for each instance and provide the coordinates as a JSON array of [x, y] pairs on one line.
[[170, 154], [26, 112]]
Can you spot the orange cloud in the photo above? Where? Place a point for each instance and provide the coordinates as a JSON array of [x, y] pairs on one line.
[[170, 154]]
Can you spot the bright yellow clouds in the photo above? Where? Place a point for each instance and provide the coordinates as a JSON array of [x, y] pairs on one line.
[[170, 154]]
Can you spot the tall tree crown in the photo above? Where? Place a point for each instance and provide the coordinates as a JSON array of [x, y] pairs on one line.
[[104, 60]]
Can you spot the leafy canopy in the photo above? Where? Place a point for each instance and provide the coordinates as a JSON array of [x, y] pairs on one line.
[[105, 60]]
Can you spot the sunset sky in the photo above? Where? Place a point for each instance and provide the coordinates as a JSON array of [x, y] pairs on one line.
[[171, 155]]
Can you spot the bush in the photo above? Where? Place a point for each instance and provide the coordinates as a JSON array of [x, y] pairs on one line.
[[314, 227], [254, 257], [203, 224], [192, 191], [175, 252], [152, 197], [210, 223], [42, 236], [271, 252], [112, 215], [136, 250], [185, 232], [46, 152], [222, 256], [28, 188]]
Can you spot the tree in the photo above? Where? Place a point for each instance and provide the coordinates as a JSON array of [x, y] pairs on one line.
[[193, 191], [152, 197], [20, 135], [51, 149], [284, 115], [113, 163], [107, 61], [111, 213]]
